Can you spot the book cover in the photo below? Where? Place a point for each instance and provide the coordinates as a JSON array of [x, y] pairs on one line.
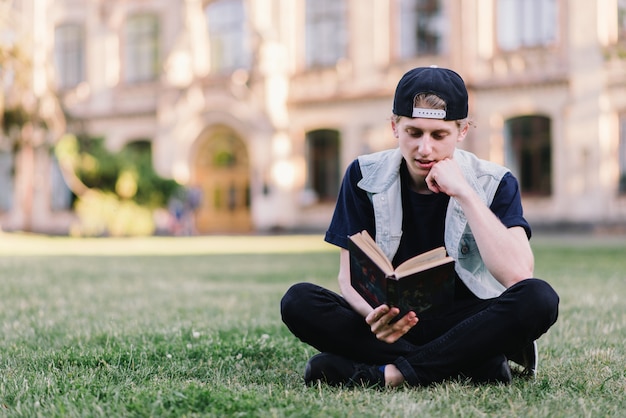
[[427, 281]]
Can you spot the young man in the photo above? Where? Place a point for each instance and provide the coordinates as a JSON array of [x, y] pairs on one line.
[[424, 194]]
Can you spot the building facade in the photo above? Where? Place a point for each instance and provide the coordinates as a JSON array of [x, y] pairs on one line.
[[262, 104]]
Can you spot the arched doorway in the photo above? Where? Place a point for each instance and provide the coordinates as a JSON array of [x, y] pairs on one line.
[[221, 170]]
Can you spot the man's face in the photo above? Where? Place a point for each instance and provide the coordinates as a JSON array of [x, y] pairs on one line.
[[424, 142]]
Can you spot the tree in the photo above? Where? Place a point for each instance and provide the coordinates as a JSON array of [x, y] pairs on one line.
[[30, 112], [34, 123]]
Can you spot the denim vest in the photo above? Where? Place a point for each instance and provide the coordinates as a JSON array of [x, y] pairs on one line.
[[381, 181]]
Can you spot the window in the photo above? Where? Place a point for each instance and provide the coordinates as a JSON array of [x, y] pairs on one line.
[[528, 147], [142, 48], [6, 180], [323, 164], [526, 23], [621, 19], [61, 195], [326, 32], [622, 154], [228, 35], [422, 28], [69, 55]]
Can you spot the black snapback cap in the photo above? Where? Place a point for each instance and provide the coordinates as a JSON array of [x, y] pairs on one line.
[[442, 82]]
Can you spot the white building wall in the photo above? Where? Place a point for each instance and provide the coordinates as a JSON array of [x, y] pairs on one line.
[[273, 106]]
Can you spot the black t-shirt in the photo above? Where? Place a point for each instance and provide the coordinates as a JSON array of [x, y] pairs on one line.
[[423, 220]]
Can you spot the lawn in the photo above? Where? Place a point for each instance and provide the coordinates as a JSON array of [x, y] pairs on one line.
[[191, 327]]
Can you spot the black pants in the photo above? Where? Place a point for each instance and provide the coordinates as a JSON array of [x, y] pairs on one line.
[[443, 344]]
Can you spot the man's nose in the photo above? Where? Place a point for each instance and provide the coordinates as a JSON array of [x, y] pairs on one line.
[[425, 147]]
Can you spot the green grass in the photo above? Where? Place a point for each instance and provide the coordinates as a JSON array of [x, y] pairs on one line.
[[191, 327]]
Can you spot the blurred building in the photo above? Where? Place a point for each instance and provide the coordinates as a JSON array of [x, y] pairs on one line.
[[263, 103]]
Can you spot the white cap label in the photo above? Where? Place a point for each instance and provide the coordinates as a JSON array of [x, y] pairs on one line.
[[419, 112]]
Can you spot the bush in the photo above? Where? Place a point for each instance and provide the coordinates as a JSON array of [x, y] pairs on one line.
[[123, 190], [105, 214]]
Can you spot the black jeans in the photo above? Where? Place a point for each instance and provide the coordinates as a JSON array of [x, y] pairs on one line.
[[443, 344]]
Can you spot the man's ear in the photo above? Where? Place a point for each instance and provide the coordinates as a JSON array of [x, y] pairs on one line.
[[394, 128], [463, 132]]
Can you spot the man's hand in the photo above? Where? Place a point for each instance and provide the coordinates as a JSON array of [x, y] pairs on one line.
[[446, 177], [380, 323], [505, 251]]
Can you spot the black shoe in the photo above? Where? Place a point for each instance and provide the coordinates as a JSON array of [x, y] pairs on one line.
[[528, 359], [335, 370], [494, 370]]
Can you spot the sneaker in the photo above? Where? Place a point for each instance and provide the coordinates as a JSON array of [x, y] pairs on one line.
[[335, 370], [527, 359], [495, 370]]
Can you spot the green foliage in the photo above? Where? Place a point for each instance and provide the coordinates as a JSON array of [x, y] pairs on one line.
[[134, 334], [151, 189], [14, 118], [104, 213], [96, 166], [124, 188], [101, 169]]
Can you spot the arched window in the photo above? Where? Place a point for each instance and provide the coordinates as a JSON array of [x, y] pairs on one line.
[[7, 168], [526, 23], [61, 196], [622, 154], [142, 58], [69, 55], [323, 164], [422, 28], [621, 19], [228, 35], [326, 32], [528, 147]]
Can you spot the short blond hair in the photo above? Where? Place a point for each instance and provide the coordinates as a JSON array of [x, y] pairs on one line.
[[432, 101]]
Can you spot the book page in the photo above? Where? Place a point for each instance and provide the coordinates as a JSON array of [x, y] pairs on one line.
[[416, 263], [365, 241], [407, 268]]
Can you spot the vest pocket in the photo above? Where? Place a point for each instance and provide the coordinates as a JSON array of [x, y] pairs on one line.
[[467, 246], [469, 256]]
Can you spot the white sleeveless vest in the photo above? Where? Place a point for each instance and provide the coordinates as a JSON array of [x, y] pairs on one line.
[[381, 181]]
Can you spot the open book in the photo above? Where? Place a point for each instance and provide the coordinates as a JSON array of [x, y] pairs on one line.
[[420, 283]]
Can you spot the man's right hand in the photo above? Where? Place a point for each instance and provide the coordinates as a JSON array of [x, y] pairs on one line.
[[380, 322]]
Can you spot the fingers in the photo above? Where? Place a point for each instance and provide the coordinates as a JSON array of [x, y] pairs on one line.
[[380, 323], [446, 177], [377, 314], [399, 328], [432, 177], [431, 183]]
